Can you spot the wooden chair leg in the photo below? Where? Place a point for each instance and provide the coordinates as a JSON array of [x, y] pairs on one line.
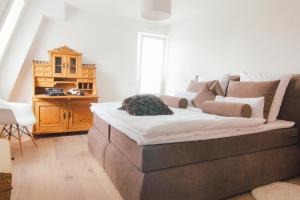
[[2, 131], [19, 138], [27, 132], [10, 131]]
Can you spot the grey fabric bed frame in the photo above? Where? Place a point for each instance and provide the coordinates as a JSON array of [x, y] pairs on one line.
[[200, 170]]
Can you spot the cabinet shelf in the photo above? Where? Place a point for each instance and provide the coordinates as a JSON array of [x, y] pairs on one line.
[[67, 82], [45, 96]]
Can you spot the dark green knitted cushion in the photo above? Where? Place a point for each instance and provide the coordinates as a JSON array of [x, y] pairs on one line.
[[145, 105]]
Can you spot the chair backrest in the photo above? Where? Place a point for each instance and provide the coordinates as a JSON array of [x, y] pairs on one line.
[[7, 117]]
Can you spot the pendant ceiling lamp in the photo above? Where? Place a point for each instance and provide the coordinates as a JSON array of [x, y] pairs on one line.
[[156, 9]]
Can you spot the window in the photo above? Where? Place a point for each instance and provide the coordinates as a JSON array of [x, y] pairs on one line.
[[151, 63], [10, 23]]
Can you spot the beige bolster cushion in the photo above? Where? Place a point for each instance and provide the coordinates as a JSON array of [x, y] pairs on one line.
[[176, 102], [265, 89], [227, 109]]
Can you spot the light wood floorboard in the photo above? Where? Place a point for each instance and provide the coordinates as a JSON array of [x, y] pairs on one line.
[[62, 168]]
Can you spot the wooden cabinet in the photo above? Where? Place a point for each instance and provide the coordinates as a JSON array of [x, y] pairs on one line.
[[58, 114], [65, 62], [62, 114]]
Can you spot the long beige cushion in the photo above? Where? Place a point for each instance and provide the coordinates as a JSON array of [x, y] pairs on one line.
[[264, 89], [217, 89], [195, 86], [5, 157], [175, 102], [228, 109], [205, 94]]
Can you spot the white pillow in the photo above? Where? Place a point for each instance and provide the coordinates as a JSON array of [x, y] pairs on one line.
[[222, 78], [277, 101], [256, 104], [186, 94]]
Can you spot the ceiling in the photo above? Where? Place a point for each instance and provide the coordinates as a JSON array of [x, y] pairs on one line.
[[181, 9]]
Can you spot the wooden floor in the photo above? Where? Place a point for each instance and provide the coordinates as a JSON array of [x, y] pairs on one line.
[[62, 168]]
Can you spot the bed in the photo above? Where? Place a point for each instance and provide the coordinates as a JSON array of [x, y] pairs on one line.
[[200, 168]]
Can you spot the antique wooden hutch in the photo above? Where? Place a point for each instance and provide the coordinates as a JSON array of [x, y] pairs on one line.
[[58, 114]]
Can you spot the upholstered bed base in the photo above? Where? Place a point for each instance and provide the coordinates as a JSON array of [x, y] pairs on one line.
[[202, 170], [147, 172], [211, 180]]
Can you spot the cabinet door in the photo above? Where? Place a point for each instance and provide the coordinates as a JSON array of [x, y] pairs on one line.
[[51, 117], [59, 65], [80, 115], [73, 63]]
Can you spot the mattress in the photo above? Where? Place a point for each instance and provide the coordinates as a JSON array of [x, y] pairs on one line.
[[161, 156], [185, 125]]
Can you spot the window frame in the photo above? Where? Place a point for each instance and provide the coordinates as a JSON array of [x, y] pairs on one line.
[[5, 10], [12, 7], [142, 35]]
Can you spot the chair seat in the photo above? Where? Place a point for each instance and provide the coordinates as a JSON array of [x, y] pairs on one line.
[[16, 119], [22, 112]]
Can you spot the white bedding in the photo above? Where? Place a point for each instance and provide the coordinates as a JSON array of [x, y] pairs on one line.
[[184, 125]]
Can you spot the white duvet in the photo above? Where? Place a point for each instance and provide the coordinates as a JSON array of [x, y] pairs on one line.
[[184, 125]]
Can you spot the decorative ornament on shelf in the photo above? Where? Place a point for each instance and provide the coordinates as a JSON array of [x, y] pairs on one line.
[[156, 9]]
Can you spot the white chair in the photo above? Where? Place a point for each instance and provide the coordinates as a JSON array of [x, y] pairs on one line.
[[15, 119]]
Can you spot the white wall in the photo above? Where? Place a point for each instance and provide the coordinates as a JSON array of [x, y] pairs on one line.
[[13, 59], [233, 36], [225, 36], [108, 41]]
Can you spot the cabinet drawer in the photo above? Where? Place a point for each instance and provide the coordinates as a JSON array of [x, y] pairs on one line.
[[44, 82], [42, 74], [87, 70], [85, 80], [88, 73], [42, 70]]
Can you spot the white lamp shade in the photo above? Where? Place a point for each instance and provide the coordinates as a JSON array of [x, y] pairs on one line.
[[156, 9]]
